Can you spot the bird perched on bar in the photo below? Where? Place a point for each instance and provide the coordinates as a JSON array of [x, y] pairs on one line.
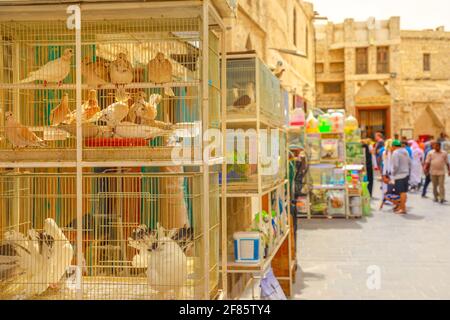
[[54, 71], [19, 135], [95, 73], [278, 70], [160, 72], [90, 107], [116, 112], [247, 98], [61, 112], [121, 70]]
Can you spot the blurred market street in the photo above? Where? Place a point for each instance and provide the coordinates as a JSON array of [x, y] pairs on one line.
[[411, 253]]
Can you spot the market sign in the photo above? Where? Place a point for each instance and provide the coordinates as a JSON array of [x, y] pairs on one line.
[[374, 101]]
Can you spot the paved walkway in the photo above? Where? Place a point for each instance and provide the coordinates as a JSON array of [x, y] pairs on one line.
[[411, 254]]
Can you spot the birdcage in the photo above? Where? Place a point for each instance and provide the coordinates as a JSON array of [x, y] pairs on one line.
[[246, 171], [143, 83], [253, 92], [142, 235], [104, 110]]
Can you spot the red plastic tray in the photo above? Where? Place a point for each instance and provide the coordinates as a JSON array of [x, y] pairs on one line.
[[115, 142]]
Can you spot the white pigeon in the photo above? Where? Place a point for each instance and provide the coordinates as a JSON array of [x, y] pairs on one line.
[[116, 112], [121, 70], [53, 71], [31, 258], [19, 135], [62, 255], [167, 265], [37, 261], [61, 112], [141, 240]]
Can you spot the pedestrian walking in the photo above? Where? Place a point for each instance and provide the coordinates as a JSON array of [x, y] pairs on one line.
[[401, 168], [415, 178], [436, 162], [379, 144], [369, 165], [428, 147]]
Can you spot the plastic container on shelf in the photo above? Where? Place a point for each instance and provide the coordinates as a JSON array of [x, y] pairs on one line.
[[297, 118], [324, 123], [312, 125], [246, 247], [321, 174]]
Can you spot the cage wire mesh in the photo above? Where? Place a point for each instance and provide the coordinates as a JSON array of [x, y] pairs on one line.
[[250, 83], [141, 88], [142, 235]]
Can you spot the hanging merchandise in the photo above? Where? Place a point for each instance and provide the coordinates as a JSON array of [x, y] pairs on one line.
[[312, 125], [351, 125], [270, 287], [324, 123], [297, 117], [337, 121]]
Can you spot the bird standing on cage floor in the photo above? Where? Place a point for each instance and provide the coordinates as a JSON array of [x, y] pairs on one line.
[[53, 71], [31, 264], [247, 98], [160, 72], [121, 70], [167, 266], [19, 135], [61, 112], [162, 253]]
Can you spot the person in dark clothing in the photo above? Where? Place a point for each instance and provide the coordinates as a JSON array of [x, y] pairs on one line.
[[379, 144], [369, 166], [428, 148]]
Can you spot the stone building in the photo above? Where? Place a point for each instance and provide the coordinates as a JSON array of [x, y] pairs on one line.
[[278, 30], [394, 81]]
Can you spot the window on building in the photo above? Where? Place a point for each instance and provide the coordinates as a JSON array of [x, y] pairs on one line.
[[319, 67], [362, 65], [294, 26], [332, 87], [383, 60], [426, 62]]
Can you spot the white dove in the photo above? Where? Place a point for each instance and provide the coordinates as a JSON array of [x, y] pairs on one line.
[[35, 262], [121, 70], [19, 135], [115, 112], [53, 71], [167, 265], [141, 240], [61, 112], [31, 259]]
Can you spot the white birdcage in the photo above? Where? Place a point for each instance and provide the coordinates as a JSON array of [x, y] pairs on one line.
[[132, 91]]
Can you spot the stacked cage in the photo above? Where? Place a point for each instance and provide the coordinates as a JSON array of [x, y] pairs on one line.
[[106, 191], [257, 185]]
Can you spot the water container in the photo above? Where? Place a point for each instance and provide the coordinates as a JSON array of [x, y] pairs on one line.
[[297, 117], [312, 125]]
